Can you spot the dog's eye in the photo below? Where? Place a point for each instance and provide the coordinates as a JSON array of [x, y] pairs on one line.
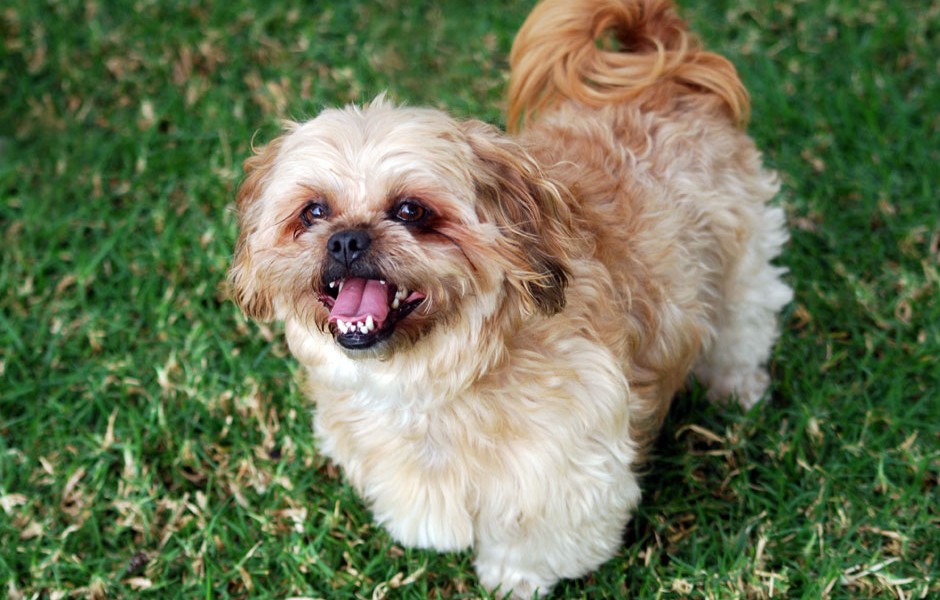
[[315, 211], [409, 211]]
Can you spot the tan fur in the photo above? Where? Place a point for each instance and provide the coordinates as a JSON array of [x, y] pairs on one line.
[[555, 57], [573, 277], [250, 290], [533, 212]]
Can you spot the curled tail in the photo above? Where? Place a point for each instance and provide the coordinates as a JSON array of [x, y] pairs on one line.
[[558, 54]]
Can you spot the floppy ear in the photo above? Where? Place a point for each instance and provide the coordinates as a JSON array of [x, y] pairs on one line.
[[530, 211], [247, 283]]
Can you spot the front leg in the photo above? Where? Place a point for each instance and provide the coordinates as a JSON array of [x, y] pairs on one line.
[[426, 512], [575, 526], [421, 503]]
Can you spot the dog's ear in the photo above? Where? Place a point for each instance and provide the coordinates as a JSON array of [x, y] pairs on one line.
[[531, 213], [247, 284]]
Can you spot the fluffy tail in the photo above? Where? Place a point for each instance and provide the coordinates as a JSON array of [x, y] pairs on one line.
[[560, 54]]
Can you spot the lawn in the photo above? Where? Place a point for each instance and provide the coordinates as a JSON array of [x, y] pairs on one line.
[[154, 444]]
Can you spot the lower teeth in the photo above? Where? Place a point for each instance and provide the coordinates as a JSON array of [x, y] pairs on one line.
[[368, 326]]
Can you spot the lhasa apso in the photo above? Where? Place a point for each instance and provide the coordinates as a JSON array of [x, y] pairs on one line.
[[493, 326]]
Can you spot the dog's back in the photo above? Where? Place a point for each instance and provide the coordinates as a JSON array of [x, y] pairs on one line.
[[620, 102]]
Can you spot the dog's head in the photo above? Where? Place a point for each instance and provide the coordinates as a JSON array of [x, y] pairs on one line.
[[378, 225]]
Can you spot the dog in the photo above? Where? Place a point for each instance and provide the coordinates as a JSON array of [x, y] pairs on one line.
[[492, 325]]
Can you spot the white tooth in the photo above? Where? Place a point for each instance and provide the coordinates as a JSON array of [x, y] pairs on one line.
[[396, 303], [370, 324], [362, 328], [382, 281], [342, 325], [401, 294], [342, 281]]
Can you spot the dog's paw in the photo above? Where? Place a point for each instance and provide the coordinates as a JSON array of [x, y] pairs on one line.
[[429, 525], [506, 582], [746, 388]]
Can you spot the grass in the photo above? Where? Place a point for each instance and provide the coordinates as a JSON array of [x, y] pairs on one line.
[[154, 444]]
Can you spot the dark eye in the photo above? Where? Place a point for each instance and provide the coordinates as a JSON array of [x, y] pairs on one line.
[[315, 211], [409, 211]]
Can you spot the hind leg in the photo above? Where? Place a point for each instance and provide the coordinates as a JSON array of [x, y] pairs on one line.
[[746, 324]]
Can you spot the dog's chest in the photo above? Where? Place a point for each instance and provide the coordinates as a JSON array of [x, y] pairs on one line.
[[371, 436]]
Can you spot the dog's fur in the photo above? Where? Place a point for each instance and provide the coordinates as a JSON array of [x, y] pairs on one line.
[[563, 284]]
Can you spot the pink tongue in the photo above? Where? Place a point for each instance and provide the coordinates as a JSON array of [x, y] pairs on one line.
[[360, 298]]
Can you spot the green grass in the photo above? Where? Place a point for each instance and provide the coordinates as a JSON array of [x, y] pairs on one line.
[[154, 444]]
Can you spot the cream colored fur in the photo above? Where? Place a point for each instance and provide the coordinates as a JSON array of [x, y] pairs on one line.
[[573, 277]]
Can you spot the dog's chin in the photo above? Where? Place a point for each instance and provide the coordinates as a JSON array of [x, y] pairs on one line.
[[368, 314], [358, 342]]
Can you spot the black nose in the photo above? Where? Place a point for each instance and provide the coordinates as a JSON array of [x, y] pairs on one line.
[[348, 246]]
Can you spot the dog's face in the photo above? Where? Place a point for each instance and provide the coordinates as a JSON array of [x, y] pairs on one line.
[[375, 226]]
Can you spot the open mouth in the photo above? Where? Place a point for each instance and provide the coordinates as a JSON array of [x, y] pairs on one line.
[[366, 311]]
